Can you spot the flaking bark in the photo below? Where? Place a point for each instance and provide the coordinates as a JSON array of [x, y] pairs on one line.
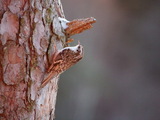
[[28, 31]]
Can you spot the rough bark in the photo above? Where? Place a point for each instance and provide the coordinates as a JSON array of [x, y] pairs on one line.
[[28, 31]]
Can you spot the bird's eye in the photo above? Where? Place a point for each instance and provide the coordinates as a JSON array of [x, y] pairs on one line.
[[79, 47]]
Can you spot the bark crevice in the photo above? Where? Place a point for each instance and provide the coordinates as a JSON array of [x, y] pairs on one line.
[[26, 46]]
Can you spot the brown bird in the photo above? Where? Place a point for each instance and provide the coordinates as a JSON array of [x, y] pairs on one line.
[[63, 60]]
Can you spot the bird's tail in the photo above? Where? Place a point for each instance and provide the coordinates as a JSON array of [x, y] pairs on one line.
[[47, 79]]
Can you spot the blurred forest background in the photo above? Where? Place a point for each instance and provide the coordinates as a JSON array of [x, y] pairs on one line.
[[119, 77]]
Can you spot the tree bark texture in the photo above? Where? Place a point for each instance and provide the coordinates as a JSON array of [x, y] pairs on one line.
[[28, 31]]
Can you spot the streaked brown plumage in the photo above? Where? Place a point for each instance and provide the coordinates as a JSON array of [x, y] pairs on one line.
[[63, 60]]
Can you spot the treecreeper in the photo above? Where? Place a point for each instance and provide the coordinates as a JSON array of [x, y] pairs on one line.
[[68, 56]]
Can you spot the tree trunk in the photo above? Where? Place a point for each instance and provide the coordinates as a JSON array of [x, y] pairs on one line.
[[28, 31]]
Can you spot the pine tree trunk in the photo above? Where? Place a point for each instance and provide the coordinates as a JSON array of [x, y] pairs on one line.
[[28, 31]]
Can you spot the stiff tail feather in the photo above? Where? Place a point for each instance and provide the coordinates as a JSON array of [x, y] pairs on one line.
[[46, 80]]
